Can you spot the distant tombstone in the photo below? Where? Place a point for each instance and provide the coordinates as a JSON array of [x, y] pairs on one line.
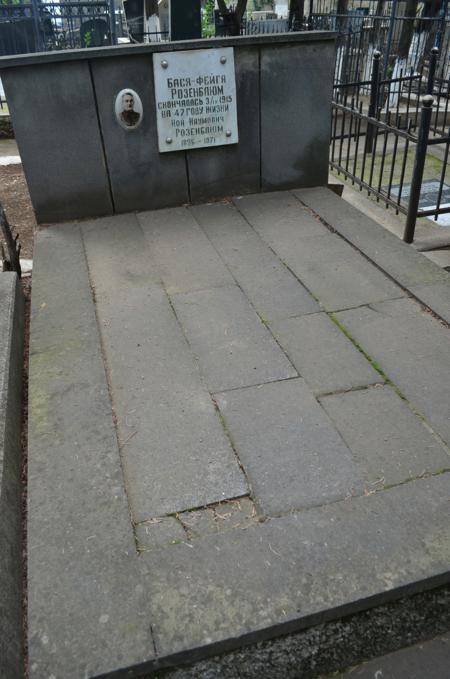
[[185, 20], [94, 33]]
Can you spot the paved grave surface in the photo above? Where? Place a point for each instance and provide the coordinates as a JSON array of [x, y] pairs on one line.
[[239, 428]]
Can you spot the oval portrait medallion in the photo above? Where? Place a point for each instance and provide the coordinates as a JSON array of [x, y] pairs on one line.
[[128, 108]]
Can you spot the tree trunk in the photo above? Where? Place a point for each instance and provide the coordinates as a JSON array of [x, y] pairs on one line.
[[296, 14], [342, 16], [232, 17]]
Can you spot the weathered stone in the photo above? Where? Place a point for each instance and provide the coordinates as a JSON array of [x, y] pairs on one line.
[[11, 570], [413, 349], [279, 219], [83, 592], [233, 347], [185, 258], [141, 177], [159, 532], [226, 170], [239, 513], [390, 443], [399, 260], [428, 659], [436, 296], [334, 645], [269, 285], [298, 570], [44, 99], [174, 450], [323, 355], [292, 454], [301, 103]]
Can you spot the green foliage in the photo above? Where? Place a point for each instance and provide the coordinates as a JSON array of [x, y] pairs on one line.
[[208, 19]]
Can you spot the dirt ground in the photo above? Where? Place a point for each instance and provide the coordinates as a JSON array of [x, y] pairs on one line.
[[16, 202]]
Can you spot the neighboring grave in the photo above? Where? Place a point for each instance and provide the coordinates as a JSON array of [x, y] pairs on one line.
[[219, 117], [429, 198]]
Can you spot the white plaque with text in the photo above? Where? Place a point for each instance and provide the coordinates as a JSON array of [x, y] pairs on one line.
[[195, 96]]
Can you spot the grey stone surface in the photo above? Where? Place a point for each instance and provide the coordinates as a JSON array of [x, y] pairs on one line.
[[256, 579], [299, 570], [279, 219], [49, 103], [292, 454], [141, 177], [413, 349], [159, 532], [322, 354], [237, 514], [271, 288], [436, 296], [337, 274], [11, 570], [226, 170], [390, 443], [330, 268], [84, 612], [233, 347], [335, 645], [399, 260], [428, 659], [175, 453], [185, 258], [301, 103]]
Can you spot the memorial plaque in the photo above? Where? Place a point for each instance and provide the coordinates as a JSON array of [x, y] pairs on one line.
[[195, 96]]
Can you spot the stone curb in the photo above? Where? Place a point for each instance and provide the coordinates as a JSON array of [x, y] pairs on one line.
[[11, 363], [423, 279]]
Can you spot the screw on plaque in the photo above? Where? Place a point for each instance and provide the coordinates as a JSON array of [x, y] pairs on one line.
[[168, 140], [228, 133], [223, 60], [164, 63]]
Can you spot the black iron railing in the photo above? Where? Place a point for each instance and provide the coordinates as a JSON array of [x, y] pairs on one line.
[[392, 139]]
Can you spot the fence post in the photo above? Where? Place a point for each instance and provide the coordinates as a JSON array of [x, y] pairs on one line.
[[373, 102], [432, 69], [112, 22], [37, 25], [419, 164], [389, 38]]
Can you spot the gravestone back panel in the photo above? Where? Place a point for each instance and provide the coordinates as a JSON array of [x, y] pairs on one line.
[[141, 177], [56, 127], [226, 170], [296, 85], [68, 118]]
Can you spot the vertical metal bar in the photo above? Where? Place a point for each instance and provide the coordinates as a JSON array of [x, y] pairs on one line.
[[441, 183], [349, 138], [373, 103], [419, 164], [37, 25], [432, 70], [390, 36], [112, 22]]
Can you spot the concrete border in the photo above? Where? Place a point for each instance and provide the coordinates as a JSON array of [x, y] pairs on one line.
[[150, 48], [11, 365], [422, 278]]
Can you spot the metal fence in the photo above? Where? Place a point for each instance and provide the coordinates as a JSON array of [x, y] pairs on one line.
[[395, 143], [36, 27]]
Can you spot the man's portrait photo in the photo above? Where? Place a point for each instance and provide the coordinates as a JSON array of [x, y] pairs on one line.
[[128, 109]]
